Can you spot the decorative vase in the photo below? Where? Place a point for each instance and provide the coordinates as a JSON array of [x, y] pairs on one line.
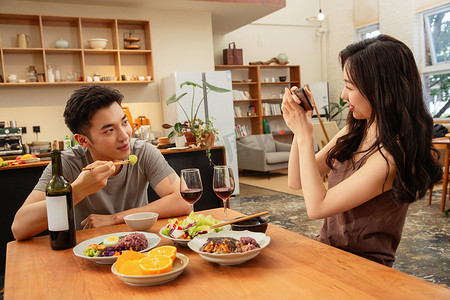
[[61, 43]]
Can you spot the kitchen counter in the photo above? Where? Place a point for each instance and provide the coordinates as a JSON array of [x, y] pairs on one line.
[[13, 157], [42, 163]]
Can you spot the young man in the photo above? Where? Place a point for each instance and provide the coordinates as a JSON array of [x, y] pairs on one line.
[[105, 194]]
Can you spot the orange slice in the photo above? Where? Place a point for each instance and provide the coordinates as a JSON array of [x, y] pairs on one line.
[[130, 267], [169, 251], [157, 264], [128, 256]]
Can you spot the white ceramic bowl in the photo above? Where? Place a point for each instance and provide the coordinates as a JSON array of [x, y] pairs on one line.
[[184, 242], [230, 258], [97, 43], [142, 221], [179, 264], [181, 242]]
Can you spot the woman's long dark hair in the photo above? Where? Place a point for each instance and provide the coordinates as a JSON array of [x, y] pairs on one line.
[[385, 72]]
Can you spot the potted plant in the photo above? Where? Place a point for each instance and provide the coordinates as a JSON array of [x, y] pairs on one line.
[[336, 110], [177, 134], [196, 131]]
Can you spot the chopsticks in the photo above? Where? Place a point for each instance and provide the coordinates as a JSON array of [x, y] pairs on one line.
[[116, 163], [240, 219]]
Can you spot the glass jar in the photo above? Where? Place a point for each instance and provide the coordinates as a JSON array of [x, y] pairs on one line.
[[41, 77], [32, 74]]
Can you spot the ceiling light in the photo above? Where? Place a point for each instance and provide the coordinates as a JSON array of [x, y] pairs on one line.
[[320, 16]]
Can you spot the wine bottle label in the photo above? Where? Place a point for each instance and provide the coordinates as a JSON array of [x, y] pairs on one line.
[[57, 215]]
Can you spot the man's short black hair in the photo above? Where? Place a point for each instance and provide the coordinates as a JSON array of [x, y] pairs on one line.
[[85, 102]]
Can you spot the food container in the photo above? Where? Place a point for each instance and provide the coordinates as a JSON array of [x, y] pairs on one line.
[[41, 77], [97, 43], [142, 221]]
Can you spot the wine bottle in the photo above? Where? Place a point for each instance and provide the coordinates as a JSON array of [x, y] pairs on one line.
[[60, 214]]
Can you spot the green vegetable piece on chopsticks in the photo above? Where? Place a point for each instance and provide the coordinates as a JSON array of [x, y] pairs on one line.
[[133, 159]]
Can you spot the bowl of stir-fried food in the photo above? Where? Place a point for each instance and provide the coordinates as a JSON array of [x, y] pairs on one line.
[[229, 247]]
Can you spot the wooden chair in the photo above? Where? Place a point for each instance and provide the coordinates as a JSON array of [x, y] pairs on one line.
[[134, 126], [442, 144]]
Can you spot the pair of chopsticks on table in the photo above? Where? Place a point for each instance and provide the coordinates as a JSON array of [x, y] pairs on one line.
[[240, 219]]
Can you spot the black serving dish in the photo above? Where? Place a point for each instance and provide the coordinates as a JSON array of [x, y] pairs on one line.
[[258, 224]]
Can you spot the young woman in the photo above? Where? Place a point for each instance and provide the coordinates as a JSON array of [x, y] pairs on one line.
[[379, 163]]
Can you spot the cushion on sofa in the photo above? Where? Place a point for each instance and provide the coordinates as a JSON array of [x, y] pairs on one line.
[[276, 157], [261, 141]]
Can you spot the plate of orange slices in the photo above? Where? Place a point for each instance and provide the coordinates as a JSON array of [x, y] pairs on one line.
[[159, 265]]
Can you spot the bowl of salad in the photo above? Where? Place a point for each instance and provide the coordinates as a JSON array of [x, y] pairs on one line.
[[183, 231]]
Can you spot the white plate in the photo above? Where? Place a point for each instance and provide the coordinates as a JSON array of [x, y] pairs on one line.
[[230, 258], [179, 264], [78, 250], [184, 242]]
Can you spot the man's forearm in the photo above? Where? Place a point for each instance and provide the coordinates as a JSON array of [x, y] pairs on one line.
[[30, 220]]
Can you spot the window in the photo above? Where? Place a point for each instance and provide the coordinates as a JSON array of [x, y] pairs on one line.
[[436, 70], [368, 32]]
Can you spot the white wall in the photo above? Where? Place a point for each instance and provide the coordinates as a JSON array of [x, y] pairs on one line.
[[396, 18], [284, 31], [180, 41]]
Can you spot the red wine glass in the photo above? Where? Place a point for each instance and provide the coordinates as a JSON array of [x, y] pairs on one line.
[[223, 185], [191, 188]]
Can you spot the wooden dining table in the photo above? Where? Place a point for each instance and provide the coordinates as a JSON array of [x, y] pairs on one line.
[[290, 267]]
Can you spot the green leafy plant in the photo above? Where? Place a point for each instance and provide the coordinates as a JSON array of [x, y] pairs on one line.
[[335, 109], [205, 135], [193, 124], [178, 129], [201, 130]]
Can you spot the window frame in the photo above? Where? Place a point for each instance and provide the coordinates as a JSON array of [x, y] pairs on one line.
[[436, 67], [363, 30]]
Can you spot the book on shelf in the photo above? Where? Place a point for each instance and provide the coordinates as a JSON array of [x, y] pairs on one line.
[[282, 132], [237, 111], [271, 109], [241, 130], [266, 126], [240, 95]]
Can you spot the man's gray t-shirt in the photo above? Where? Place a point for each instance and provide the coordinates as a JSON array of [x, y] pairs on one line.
[[126, 190]]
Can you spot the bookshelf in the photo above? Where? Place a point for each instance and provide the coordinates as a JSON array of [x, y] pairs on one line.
[[257, 94]]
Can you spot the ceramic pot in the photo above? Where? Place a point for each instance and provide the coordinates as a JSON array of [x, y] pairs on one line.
[[208, 139], [180, 141], [61, 43], [190, 138]]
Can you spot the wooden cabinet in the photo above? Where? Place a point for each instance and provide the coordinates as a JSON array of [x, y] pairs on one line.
[[258, 92], [78, 62]]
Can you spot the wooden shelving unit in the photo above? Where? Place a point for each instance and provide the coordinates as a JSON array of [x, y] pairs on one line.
[[263, 84], [112, 63]]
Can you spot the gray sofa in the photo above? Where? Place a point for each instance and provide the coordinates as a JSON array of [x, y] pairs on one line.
[[261, 152]]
